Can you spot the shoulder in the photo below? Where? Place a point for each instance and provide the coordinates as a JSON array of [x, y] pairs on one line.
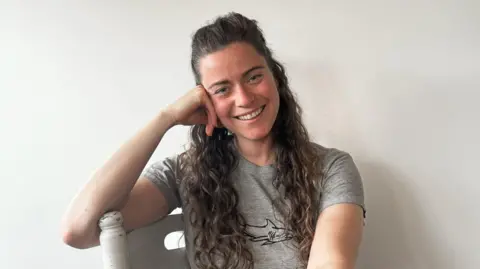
[[168, 167], [332, 157], [341, 180], [170, 162], [336, 163]]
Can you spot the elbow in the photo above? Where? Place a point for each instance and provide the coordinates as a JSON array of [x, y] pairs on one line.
[[75, 236], [70, 237]]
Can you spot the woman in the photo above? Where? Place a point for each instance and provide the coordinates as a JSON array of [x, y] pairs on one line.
[[256, 193]]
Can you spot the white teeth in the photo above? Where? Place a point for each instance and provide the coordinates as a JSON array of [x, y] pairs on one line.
[[251, 115]]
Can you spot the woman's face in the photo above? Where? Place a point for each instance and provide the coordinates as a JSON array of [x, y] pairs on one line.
[[242, 89]]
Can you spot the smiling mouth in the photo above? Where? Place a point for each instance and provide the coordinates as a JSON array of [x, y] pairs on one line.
[[252, 115]]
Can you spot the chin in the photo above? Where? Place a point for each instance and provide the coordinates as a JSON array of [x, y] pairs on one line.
[[256, 134]]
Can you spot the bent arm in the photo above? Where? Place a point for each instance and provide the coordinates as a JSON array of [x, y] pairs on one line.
[[115, 186]]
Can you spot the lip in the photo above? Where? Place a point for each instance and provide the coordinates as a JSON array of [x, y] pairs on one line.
[[262, 107]]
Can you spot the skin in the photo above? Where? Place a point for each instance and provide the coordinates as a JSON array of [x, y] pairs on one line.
[[239, 82], [117, 184]]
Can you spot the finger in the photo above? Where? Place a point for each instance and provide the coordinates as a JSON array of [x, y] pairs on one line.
[[200, 117], [212, 117]]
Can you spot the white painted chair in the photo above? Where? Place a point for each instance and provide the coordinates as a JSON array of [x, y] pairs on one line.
[[144, 248]]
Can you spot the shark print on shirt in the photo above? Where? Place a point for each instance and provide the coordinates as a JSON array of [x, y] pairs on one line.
[[267, 234]]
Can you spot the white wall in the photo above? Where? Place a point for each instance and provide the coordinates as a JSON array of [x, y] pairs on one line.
[[396, 83]]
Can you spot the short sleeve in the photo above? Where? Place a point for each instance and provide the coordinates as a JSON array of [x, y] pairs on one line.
[[342, 182], [164, 174]]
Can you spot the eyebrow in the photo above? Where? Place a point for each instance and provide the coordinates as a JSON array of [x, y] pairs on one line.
[[225, 81]]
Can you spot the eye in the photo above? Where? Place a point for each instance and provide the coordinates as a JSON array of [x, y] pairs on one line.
[[255, 78], [221, 90]]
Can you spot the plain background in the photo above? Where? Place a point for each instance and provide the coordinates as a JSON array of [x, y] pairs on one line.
[[395, 83]]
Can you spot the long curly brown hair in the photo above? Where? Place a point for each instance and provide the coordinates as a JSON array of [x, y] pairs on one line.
[[209, 162]]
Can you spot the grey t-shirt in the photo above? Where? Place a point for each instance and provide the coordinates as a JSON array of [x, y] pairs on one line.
[[270, 243]]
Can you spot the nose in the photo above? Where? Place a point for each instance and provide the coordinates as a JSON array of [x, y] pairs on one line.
[[244, 97]]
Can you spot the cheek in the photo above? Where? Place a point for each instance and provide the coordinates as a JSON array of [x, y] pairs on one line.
[[222, 109], [270, 93], [268, 88]]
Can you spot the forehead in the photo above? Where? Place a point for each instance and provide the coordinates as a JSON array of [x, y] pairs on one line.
[[229, 62]]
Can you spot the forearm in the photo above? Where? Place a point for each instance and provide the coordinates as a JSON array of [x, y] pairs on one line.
[[111, 184], [109, 187]]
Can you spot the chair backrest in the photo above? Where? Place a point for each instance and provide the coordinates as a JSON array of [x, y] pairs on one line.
[[147, 249], [143, 248]]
